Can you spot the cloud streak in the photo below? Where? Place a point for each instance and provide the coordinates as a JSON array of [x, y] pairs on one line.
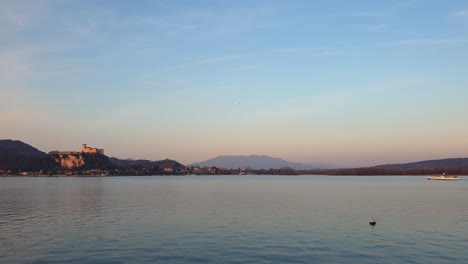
[[461, 13], [428, 42], [408, 3], [20, 15]]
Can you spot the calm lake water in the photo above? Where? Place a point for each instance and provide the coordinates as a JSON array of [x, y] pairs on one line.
[[233, 219]]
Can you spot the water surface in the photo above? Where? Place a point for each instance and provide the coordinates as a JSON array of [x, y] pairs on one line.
[[233, 219]]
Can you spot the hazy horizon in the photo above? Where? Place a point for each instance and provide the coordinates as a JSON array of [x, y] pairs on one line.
[[328, 165], [346, 83]]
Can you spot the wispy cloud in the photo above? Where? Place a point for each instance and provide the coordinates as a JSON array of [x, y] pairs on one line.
[[19, 15], [376, 27], [365, 14], [198, 21], [461, 13], [246, 68], [428, 42], [313, 52], [353, 14], [218, 59], [338, 100], [407, 3], [384, 12]]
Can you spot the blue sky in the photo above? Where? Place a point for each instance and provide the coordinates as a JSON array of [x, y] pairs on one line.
[[349, 83]]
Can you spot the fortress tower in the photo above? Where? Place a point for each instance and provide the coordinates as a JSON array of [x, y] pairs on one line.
[[86, 149]]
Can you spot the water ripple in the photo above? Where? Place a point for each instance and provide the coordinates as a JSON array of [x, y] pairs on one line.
[[232, 220]]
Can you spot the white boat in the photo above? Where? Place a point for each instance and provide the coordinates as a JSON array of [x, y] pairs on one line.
[[443, 177]]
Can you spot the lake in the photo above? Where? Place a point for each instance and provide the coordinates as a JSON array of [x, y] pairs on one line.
[[233, 219]]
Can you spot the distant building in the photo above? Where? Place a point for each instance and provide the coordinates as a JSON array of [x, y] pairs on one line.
[[86, 149], [56, 152], [168, 170]]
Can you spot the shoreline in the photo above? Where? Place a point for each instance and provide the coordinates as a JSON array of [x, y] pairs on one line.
[[287, 175]]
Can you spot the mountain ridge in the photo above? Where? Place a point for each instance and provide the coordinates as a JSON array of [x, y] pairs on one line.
[[252, 161]]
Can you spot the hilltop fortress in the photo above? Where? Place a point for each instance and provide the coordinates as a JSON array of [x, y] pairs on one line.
[[86, 149], [76, 159]]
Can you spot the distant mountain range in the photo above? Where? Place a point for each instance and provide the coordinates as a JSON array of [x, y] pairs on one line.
[[256, 162], [429, 164], [17, 155]]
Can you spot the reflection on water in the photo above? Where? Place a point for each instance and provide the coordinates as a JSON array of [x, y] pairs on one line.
[[237, 219]]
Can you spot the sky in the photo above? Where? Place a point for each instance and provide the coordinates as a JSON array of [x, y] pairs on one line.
[[344, 83]]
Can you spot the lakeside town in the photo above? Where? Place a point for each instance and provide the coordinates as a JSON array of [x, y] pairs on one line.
[[20, 159]]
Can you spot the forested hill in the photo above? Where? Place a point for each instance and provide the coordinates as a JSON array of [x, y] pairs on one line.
[[147, 164], [19, 156], [16, 147], [429, 164]]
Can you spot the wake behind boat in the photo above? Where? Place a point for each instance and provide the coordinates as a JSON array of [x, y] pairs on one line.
[[444, 177]]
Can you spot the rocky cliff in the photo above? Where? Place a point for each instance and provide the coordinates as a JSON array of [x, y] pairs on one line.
[[82, 161], [69, 161]]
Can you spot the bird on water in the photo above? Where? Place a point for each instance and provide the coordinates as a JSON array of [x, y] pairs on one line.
[[372, 222]]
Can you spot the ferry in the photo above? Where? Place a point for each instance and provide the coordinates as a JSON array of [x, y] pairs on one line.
[[443, 177]]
